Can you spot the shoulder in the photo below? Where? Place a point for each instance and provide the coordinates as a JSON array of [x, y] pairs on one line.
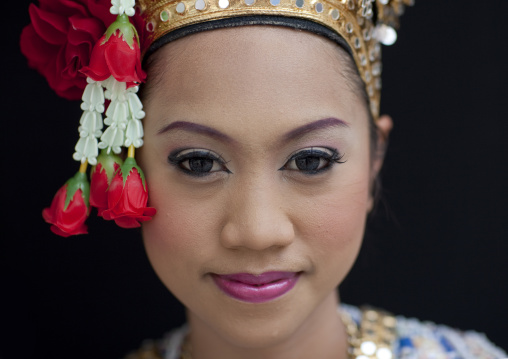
[[421, 340]]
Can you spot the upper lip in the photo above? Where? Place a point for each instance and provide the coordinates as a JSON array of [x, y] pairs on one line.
[[258, 279]]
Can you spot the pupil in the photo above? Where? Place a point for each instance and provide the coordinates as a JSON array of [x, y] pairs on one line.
[[307, 163], [200, 164]]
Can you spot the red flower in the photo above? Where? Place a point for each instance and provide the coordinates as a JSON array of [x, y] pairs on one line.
[[102, 174], [61, 37], [69, 208], [117, 54], [128, 197]]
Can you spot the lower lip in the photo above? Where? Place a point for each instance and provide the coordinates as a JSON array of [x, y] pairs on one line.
[[255, 293]]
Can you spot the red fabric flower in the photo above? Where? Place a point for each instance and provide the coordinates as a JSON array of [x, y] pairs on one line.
[[61, 37], [102, 174], [128, 197], [116, 58], [69, 208]]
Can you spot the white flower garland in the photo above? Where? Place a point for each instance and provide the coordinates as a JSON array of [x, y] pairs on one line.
[[134, 134], [120, 7], [91, 123], [123, 117]]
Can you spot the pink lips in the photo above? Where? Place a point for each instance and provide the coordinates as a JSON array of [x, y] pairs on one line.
[[256, 288]]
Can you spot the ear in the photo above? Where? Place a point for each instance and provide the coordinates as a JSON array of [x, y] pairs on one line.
[[384, 126]]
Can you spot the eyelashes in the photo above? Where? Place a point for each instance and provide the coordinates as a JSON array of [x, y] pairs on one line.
[[201, 163], [313, 161], [197, 163]]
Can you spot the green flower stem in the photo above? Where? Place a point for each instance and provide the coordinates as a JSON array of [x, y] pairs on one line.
[[127, 30], [79, 181], [107, 162], [128, 165]]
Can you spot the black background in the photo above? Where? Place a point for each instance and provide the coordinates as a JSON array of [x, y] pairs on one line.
[[437, 249]]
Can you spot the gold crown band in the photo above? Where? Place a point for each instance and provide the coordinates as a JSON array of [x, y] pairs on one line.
[[351, 19]]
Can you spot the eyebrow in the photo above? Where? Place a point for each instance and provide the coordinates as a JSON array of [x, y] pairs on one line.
[[313, 126], [289, 136], [197, 128]]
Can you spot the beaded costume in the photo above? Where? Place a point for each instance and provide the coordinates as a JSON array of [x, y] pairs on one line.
[[411, 339]]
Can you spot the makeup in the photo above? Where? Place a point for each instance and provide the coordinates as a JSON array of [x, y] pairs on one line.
[[256, 288]]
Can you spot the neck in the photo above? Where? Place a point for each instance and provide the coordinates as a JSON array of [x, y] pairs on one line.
[[321, 335]]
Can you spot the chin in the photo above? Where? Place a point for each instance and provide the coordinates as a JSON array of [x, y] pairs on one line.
[[257, 332], [261, 326]]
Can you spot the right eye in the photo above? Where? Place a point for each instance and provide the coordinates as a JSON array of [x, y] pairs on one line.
[[197, 163], [313, 161]]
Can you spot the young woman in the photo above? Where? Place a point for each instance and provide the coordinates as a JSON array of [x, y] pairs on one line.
[[262, 180], [262, 145]]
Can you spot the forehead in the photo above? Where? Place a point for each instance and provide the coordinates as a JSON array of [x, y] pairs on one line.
[[260, 74]]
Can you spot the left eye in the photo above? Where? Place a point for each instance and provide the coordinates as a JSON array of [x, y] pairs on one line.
[[197, 163], [313, 161], [200, 165]]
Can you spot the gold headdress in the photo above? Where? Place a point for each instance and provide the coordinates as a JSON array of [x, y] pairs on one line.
[[363, 24]]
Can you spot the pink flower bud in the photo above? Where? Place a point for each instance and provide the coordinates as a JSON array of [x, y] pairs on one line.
[[128, 197], [117, 54], [100, 180], [69, 208]]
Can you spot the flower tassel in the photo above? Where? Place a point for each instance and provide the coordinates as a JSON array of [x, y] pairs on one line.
[[118, 190]]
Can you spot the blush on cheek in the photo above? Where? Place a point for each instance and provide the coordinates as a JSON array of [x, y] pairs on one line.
[[335, 222], [163, 233], [169, 239], [182, 224], [171, 230], [341, 230], [335, 238]]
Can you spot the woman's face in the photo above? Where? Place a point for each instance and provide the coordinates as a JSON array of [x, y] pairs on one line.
[[257, 159]]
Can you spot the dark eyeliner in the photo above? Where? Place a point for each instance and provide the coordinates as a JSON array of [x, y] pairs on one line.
[[334, 158], [176, 160]]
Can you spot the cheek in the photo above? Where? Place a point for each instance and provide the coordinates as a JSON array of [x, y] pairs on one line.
[[179, 237], [338, 221], [332, 225]]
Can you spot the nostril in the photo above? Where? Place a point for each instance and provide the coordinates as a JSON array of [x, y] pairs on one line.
[[256, 220]]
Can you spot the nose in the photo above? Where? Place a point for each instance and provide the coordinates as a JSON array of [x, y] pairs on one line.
[[257, 219]]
